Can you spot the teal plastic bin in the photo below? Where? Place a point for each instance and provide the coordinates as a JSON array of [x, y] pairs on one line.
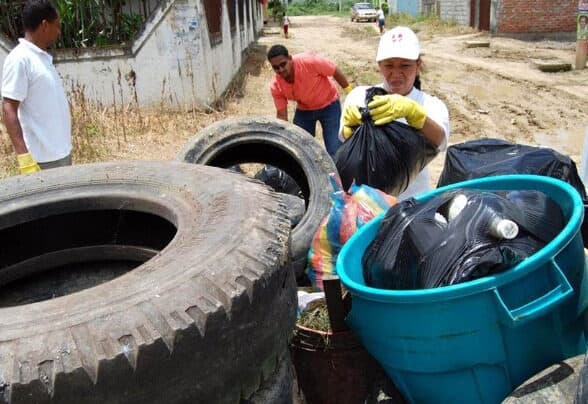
[[475, 342]]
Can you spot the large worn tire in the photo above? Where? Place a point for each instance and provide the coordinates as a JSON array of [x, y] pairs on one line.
[[280, 144], [278, 389], [205, 316], [558, 383]]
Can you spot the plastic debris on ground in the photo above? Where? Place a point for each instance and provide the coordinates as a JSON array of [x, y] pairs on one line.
[[306, 300], [387, 157], [349, 211], [458, 236], [279, 180]]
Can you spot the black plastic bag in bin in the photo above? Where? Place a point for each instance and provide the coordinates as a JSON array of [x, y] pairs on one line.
[[427, 244], [387, 157], [489, 157]]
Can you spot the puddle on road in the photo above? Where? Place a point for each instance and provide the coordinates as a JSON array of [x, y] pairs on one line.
[[568, 142], [499, 91]]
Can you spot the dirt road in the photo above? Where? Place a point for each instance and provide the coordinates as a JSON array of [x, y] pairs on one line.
[[490, 92]]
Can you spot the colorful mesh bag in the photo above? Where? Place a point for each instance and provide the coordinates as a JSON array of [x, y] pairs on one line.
[[349, 211]]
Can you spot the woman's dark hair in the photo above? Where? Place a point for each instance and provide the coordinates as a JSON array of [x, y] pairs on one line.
[[35, 11], [277, 50], [417, 82]]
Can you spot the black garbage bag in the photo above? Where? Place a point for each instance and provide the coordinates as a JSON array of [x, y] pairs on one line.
[[488, 157], [425, 244], [279, 180], [386, 157], [236, 169]]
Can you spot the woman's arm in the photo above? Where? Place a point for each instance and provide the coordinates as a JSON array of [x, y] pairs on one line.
[[433, 132]]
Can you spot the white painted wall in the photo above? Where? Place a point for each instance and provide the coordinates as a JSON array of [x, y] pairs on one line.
[[172, 62], [457, 10], [5, 47]]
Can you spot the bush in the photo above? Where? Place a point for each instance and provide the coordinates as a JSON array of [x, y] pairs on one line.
[[315, 7], [277, 9]]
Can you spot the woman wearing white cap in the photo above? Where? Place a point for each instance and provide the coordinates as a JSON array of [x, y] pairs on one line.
[[399, 61]]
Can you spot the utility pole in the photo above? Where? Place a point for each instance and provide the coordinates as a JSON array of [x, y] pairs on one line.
[[582, 34]]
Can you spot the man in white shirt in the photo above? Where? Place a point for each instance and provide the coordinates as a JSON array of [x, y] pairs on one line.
[[34, 105]]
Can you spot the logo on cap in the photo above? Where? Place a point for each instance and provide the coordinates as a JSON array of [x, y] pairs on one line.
[[396, 37]]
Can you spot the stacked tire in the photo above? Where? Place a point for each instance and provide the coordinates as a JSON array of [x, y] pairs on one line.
[[280, 144], [173, 285]]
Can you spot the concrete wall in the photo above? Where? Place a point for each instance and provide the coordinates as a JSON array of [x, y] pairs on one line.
[[524, 16], [457, 10], [172, 61], [5, 47], [517, 16]]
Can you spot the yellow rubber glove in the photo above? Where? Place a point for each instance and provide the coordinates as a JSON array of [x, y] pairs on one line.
[[27, 164], [348, 89], [351, 119], [351, 116], [347, 132], [387, 108]]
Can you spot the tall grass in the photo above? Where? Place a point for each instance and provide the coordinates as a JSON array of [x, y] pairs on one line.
[[126, 131]]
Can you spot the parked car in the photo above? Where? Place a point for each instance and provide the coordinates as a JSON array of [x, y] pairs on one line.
[[363, 12]]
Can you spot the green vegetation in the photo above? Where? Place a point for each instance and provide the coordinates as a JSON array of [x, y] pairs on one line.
[[316, 318], [84, 23], [96, 23], [318, 7], [276, 9]]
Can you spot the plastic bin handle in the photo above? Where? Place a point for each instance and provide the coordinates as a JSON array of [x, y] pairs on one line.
[[539, 306]]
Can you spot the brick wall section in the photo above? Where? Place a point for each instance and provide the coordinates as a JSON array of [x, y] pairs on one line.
[[527, 16], [457, 10]]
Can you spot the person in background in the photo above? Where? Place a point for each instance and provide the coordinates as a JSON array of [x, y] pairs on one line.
[[583, 26], [285, 25], [305, 78], [381, 20], [34, 105], [399, 61]]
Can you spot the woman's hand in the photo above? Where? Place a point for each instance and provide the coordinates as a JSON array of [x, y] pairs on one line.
[[351, 119], [387, 108]]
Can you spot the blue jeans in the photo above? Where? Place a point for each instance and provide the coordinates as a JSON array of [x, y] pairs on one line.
[[329, 117]]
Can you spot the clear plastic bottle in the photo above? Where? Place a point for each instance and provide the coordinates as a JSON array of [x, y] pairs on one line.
[[458, 202], [499, 227], [503, 228]]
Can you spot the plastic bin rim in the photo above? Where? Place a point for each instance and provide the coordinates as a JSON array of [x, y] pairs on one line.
[[479, 285]]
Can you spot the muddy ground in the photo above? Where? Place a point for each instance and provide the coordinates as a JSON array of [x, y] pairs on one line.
[[490, 92], [496, 91]]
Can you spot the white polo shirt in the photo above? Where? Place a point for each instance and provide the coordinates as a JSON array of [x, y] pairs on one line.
[[436, 110], [29, 77]]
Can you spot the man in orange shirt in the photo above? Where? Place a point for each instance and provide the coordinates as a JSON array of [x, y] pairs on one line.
[[304, 78]]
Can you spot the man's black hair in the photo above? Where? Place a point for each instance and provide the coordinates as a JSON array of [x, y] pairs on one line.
[[277, 50], [35, 11]]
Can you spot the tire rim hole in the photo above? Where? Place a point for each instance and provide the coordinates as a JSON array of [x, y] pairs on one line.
[[262, 153], [249, 158], [57, 255]]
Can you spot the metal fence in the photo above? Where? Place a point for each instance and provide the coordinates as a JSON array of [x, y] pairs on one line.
[[86, 23]]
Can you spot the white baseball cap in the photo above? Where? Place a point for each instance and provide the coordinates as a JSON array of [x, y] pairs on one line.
[[399, 42]]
